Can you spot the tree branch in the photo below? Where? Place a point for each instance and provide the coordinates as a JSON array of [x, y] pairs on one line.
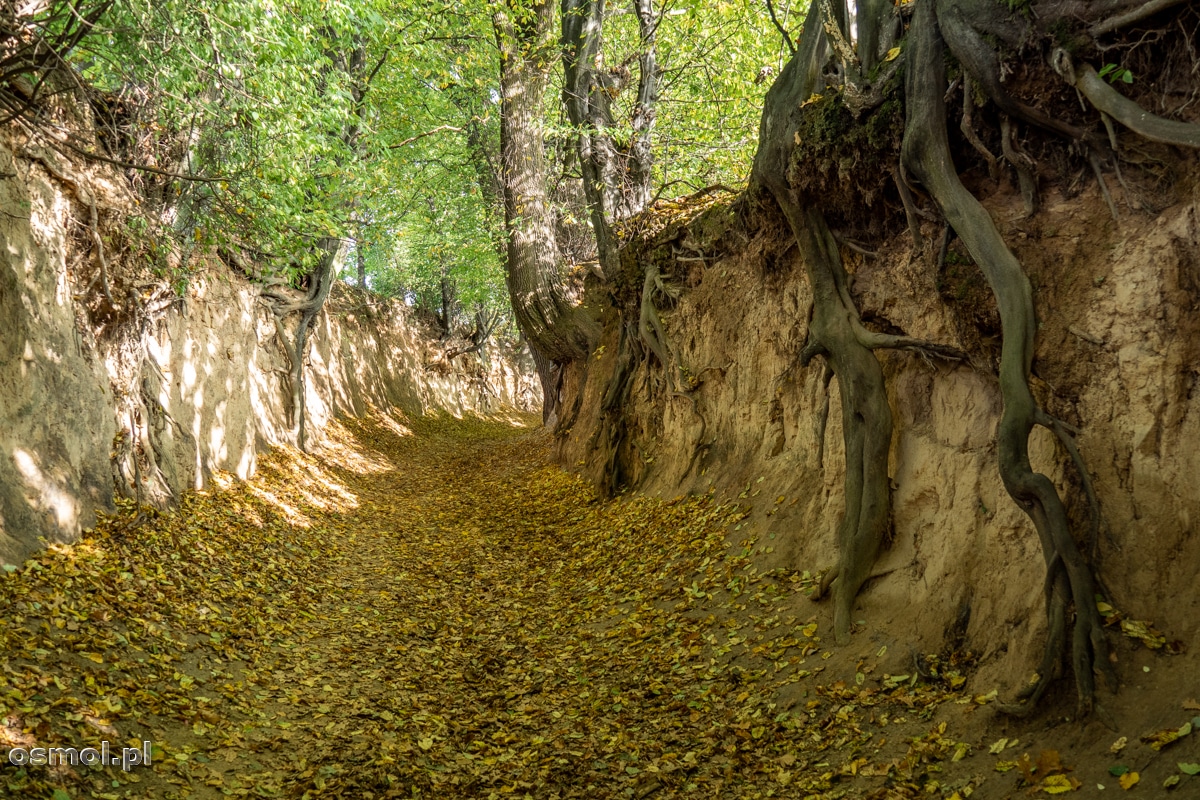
[[430, 132], [787, 37]]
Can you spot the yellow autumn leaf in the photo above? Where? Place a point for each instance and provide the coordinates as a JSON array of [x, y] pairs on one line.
[[891, 54], [1128, 780], [1161, 739], [1059, 784]]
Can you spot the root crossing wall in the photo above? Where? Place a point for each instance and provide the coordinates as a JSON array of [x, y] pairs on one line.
[[1118, 356]]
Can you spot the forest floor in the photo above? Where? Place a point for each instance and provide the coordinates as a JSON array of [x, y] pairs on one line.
[[430, 608]]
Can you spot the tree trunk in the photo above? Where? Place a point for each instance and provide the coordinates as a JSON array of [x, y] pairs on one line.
[[556, 328], [360, 258], [616, 182]]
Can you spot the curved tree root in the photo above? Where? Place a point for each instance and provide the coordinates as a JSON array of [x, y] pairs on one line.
[[332, 253], [981, 62], [926, 151], [835, 330], [835, 333], [1108, 100]]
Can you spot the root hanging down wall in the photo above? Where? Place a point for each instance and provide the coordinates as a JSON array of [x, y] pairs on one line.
[[203, 388], [1117, 355]]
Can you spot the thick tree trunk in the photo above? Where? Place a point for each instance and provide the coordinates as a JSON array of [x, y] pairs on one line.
[[554, 326]]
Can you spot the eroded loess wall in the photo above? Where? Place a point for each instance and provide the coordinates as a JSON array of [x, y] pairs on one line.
[[1118, 357], [56, 423], [202, 388]]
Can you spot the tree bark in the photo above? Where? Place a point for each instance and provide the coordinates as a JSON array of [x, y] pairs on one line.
[[616, 180], [553, 325], [835, 331]]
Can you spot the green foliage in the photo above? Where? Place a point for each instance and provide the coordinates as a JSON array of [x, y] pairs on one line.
[[1115, 72], [258, 93], [304, 117], [377, 121], [718, 60]]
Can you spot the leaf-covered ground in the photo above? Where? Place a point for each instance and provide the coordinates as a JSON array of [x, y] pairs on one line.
[[429, 608]]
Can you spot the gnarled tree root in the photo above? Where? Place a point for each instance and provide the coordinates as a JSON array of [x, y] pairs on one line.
[[835, 330], [926, 152]]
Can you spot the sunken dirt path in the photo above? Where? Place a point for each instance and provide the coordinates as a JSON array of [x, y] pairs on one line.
[[429, 608]]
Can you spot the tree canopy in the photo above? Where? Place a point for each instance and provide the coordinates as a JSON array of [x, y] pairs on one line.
[[274, 123]]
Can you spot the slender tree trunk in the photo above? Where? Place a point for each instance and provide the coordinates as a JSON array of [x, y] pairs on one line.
[[616, 183], [361, 259], [449, 303], [590, 113], [640, 154]]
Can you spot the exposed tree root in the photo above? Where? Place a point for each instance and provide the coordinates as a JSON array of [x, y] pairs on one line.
[[866, 415], [910, 210], [971, 28], [1108, 100], [47, 161], [968, 129], [835, 330], [834, 334], [332, 252], [823, 415], [1020, 162], [650, 327], [926, 151], [612, 429], [963, 23], [1115, 23]]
